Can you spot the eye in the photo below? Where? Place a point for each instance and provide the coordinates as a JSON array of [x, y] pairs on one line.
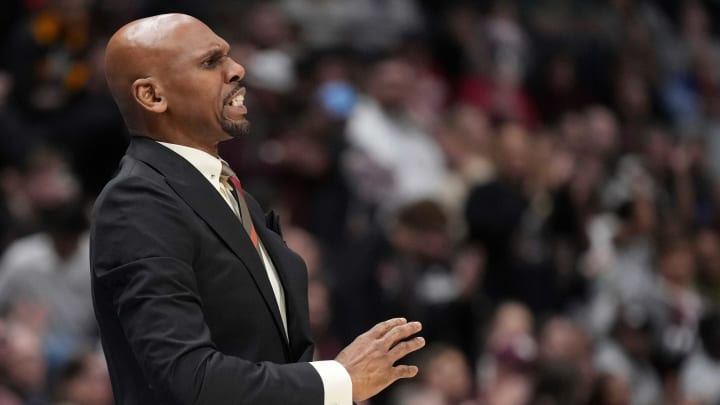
[[213, 61], [210, 63]]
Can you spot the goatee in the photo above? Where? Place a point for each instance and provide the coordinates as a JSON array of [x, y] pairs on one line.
[[236, 129]]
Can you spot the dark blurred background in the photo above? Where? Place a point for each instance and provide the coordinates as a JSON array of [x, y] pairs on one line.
[[536, 181]]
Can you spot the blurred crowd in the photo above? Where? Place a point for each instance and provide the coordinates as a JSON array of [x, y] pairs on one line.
[[538, 182]]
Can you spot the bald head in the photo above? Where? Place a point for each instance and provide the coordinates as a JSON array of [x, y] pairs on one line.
[[174, 80], [142, 49]]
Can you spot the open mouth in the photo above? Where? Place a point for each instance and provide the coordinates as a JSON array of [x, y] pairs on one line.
[[237, 98]]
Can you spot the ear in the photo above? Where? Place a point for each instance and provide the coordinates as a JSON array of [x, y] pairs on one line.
[[149, 95]]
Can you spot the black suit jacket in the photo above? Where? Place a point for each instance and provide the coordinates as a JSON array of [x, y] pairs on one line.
[[184, 305]]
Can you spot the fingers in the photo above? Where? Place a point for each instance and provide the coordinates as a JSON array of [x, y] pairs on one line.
[[384, 327], [401, 332], [402, 349], [369, 359], [403, 371]]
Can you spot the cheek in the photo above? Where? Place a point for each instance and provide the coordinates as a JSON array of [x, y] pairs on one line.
[[194, 96]]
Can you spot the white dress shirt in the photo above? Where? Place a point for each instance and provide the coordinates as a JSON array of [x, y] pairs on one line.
[[337, 384]]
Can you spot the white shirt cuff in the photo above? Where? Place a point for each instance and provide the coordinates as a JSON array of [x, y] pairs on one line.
[[336, 382]]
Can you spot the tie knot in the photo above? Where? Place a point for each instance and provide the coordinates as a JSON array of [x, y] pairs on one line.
[[226, 171]]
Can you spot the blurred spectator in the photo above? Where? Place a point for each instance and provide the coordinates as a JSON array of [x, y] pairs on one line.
[[610, 389], [413, 394], [466, 141], [84, 380], [45, 283], [627, 355], [57, 87], [707, 248], [24, 369], [494, 210], [687, 57], [44, 181], [409, 270], [323, 24], [49, 51], [496, 85], [445, 371], [556, 89], [702, 370], [392, 161], [555, 384], [620, 256], [320, 309], [566, 363], [509, 351], [673, 303], [381, 26]]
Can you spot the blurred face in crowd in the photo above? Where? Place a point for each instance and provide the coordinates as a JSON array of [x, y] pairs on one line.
[[612, 390], [26, 371], [633, 93], [658, 149], [512, 152], [695, 20], [307, 247], [677, 265], [319, 309], [267, 26], [563, 342], [561, 74], [470, 125], [510, 340], [419, 396], [185, 88], [391, 83], [551, 164], [421, 232], [511, 320], [448, 374], [561, 339], [47, 182], [632, 333], [707, 246], [91, 386], [468, 136], [602, 129]]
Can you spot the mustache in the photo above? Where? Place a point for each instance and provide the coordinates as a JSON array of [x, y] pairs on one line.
[[232, 94]]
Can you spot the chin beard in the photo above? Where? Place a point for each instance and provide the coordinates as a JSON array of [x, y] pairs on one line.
[[236, 129]]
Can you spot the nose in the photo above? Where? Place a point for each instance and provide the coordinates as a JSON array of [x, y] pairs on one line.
[[235, 72]]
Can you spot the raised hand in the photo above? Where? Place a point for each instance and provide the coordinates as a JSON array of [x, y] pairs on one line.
[[370, 358]]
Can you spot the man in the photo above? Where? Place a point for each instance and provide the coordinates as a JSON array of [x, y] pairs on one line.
[[198, 301], [393, 161]]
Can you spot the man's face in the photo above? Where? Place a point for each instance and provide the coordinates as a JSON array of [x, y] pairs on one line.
[[202, 84], [393, 81]]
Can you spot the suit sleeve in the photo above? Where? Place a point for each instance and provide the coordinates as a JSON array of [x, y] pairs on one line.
[[143, 252]]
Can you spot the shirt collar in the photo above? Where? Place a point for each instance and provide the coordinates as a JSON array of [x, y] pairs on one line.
[[208, 165]]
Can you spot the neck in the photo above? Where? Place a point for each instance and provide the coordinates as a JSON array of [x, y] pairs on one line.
[[180, 138], [210, 149]]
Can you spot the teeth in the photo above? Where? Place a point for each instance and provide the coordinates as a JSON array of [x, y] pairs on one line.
[[237, 100]]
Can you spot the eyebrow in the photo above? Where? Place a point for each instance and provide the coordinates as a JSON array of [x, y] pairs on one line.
[[216, 51]]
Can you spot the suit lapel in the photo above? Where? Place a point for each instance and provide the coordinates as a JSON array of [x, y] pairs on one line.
[[195, 190], [292, 281]]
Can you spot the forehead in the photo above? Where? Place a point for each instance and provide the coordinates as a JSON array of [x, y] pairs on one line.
[[194, 39]]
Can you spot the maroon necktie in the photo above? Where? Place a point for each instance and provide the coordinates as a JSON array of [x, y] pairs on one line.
[[245, 218]]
